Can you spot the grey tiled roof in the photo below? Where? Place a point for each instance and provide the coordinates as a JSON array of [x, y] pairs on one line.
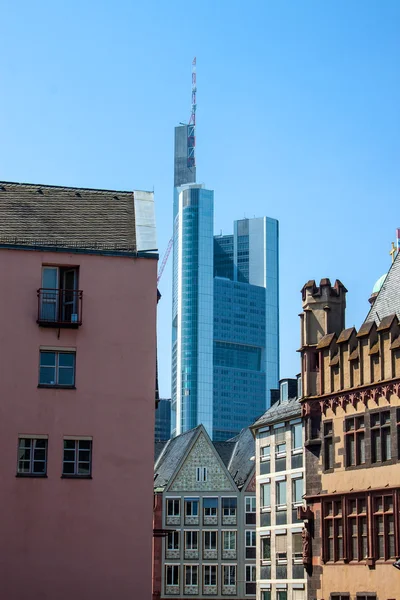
[[241, 465], [224, 450], [281, 411], [169, 459], [388, 299], [64, 217]]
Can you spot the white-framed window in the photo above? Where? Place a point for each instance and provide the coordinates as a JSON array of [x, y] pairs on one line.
[[210, 575], [265, 594], [281, 594], [201, 474], [32, 456], [251, 574], [297, 490], [210, 540], [77, 459], [265, 453], [191, 507], [251, 504], [297, 547], [210, 507], [191, 540], [284, 392], [264, 434], [173, 507], [229, 575], [280, 440], [265, 495], [281, 492], [281, 547], [229, 506], [266, 548], [250, 538], [173, 540], [297, 436], [191, 575], [229, 540], [172, 575], [57, 369]]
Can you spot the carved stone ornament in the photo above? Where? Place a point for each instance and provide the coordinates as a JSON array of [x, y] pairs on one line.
[[305, 536]]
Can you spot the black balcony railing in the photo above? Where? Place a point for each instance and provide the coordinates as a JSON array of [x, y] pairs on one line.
[[59, 308]]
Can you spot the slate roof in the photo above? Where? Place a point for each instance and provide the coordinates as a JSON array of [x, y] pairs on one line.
[[224, 450], [388, 299], [281, 411], [240, 466], [171, 456], [325, 341], [66, 217]]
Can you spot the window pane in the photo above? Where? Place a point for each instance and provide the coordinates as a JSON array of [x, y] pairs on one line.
[[39, 467], [297, 441], [47, 375], [68, 468], [65, 376], [69, 444], [281, 492], [297, 490], [266, 548], [48, 359], [66, 360], [266, 494]]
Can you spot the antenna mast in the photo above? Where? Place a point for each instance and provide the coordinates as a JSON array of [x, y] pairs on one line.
[[191, 157]]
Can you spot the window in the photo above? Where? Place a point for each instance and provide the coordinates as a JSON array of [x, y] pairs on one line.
[[229, 575], [297, 547], [380, 436], [251, 580], [284, 391], [265, 453], [383, 525], [57, 369], [229, 507], [229, 540], [265, 458], [264, 434], [357, 528], [172, 574], [297, 436], [333, 527], [365, 596], [191, 540], [355, 441], [297, 490], [210, 540], [281, 594], [281, 547], [59, 296], [265, 495], [281, 493], [192, 507], [344, 596], [266, 548], [77, 460], [173, 540], [280, 440], [32, 456], [210, 507], [328, 446], [250, 539], [173, 507], [191, 575], [250, 510], [210, 575], [265, 594], [201, 474]]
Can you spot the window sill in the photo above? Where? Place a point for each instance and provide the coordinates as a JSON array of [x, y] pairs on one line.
[[265, 509], [31, 475], [57, 387], [297, 451], [281, 507], [76, 477]]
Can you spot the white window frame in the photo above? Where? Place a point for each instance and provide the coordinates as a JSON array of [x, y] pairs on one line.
[[232, 511], [173, 500], [210, 508], [175, 538], [265, 561], [253, 576], [224, 568], [191, 569], [281, 557], [253, 537], [250, 501], [201, 474], [229, 537], [191, 501], [293, 425], [262, 494], [30, 445], [210, 567], [192, 545], [265, 453], [294, 480], [280, 452], [174, 569], [208, 532], [278, 484]]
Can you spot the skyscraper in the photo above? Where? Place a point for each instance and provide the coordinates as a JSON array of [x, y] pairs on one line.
[[225, 321]]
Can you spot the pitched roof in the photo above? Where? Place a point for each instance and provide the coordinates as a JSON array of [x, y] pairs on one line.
[[241, 465], [76, 218], [281, 411], [345, 335], [326, 341], [388, 299], [224, 450], [174, 451]]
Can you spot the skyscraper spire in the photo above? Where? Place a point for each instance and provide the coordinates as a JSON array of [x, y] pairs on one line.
[[191, 146]]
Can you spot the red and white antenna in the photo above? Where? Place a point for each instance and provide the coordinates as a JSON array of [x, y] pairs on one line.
[[191, 157]]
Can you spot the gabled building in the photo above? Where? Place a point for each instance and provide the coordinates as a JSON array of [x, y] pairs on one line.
[[205, 507], [78, 356], [351, 412]]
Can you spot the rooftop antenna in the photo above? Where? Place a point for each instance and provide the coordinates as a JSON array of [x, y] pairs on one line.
[[191, 157]]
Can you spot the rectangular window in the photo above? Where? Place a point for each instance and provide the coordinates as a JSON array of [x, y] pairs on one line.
[[251, 574], [355, 441], [229, 507], [191, 507], [229, 575], [328, 446], [191, 540], [250, 504], [297, 436], [281, 547], [250, 539], [297, 547], [266, 548], [210, 575], [281, 594], [173, 540], [173, 507], [210, 507], [172, 575], [57, 368], [357, 528], [297, 490], [59, 296], [210, 540], [380, 436], [32, 456], [77, 459], [229, 540], [280, 440], [265, 495], [265, 594], [201, 474], [333, 530], [280, 493], [383, 526], [265, 453], [344, 596], [191, 575]]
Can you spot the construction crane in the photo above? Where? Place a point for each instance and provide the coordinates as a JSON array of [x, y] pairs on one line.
[[165, 259]]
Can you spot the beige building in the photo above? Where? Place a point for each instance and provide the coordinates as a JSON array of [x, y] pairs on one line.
[[279, 493]]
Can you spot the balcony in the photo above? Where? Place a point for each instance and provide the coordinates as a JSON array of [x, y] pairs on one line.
[[59, 308]]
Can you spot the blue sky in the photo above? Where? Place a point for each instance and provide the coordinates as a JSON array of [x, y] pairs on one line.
[[297, 118]]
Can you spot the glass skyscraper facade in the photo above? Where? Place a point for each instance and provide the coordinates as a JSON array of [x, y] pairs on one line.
[[225, 321]]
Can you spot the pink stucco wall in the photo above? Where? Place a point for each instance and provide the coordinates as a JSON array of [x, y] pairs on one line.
[[67, 539]]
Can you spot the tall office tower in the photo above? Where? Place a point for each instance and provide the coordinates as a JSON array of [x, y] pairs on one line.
[[246, 324], [162, 430], [184, 165]]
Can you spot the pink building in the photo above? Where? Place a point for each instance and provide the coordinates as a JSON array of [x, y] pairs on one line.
[[78, 270]]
